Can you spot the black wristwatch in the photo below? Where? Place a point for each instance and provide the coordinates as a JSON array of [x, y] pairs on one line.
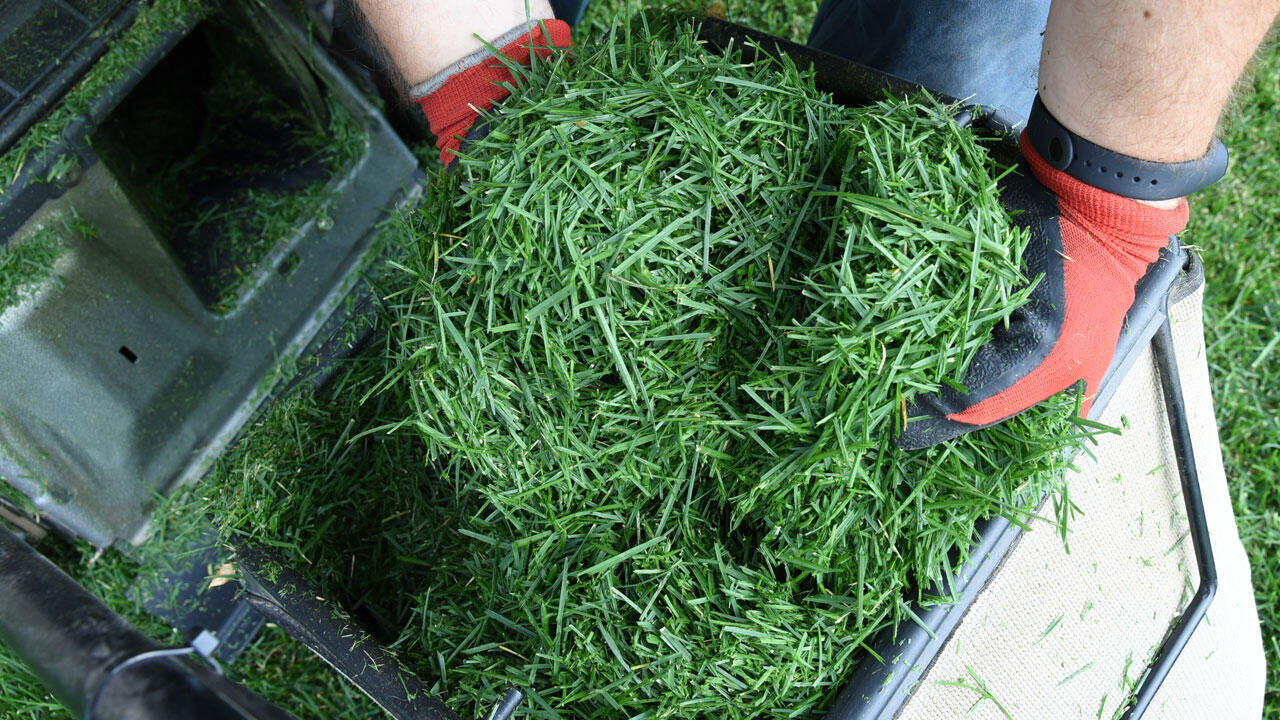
[[1121, 174]]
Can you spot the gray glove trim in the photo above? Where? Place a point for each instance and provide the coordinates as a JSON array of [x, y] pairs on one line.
[[435, 82]]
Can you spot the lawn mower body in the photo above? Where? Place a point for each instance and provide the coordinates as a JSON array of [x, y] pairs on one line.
[[172, 312], [204, 246]]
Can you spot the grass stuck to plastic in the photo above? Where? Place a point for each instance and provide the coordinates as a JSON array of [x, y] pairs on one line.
[[27, 263], [630, 444]]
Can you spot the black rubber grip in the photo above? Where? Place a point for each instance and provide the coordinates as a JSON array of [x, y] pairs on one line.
[[1121, 174]]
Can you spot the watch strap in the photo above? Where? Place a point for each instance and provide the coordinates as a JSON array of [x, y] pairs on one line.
[[1118, 173]]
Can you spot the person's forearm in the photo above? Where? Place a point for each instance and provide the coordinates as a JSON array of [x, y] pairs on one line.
[[1148, 79], [423, 37]]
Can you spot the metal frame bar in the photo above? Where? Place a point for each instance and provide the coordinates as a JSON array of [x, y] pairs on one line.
[[1180, 430], [284, 597]]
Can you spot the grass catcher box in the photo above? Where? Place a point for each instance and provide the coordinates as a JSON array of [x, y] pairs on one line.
[[184, 234]]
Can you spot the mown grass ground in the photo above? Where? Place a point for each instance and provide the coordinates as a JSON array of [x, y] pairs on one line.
[[1237, 226]]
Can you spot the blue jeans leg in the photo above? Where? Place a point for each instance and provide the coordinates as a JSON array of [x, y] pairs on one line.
[[569, 11], [983, 51]]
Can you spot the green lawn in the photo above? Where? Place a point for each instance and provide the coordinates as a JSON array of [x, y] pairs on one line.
[[1236, 224]]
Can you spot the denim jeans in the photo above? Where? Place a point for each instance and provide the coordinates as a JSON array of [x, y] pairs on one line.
[[981, 51], [569, 11]]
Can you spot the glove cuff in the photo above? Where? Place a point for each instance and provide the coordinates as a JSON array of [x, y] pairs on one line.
[[435, 82], [1108, 209], [479, 83]]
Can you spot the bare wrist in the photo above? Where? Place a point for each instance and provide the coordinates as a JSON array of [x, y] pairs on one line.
[[1170, 204], [424, 38]]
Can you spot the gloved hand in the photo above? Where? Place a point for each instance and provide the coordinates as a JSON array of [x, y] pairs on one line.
[[455, 97], [1089, 247]]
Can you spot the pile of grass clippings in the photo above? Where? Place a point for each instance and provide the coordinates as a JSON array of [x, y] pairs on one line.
[[630, 447], [665, 326]]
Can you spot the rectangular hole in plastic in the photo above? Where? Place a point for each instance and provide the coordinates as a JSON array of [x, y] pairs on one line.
[[288, 264]]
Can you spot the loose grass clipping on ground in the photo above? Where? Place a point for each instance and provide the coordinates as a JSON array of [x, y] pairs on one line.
[[654, 338]]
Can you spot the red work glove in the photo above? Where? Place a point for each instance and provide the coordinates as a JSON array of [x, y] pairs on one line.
[[454, 99], [1090, 248]]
